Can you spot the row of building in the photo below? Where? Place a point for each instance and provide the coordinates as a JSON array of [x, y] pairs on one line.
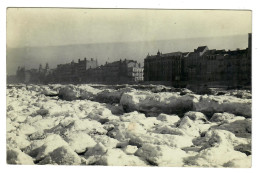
[[202, 66], [122, 71]]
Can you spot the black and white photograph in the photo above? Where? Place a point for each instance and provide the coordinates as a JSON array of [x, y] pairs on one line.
[[129, 87]]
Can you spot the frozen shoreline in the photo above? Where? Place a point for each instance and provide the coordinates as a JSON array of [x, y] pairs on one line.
[[127, 126]]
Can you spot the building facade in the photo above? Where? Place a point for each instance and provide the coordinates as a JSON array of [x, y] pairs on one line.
[[163, 67], [202, 66], [74, 72], [122, 71]]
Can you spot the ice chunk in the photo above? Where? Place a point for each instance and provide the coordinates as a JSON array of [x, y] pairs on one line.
[[108, 96], [149, 123], [98, 149], [9, 125], [157, 102], [52, 142], [215, 104], [169, 119], [21, 118], [112, 96], [123, 130], [162, 155], [196, 116], [63, 155], [130, 149], [79, 141], [16, 156], [17, 141], [220, 117], [193, 128], [214, 157], [89, 126], [240, 163], [241, 128], [132, 117], [112, 157], [106, 141], [101, 113], [45, 123], [116, 157], [217, 149], [42, 112], [166, 129], [69, 93], [216, 137], [160, 139]]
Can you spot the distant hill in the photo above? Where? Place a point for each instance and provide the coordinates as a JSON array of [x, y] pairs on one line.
[[31, 57]]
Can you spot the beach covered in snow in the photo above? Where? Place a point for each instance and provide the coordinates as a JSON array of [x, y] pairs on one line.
[[127, 125]]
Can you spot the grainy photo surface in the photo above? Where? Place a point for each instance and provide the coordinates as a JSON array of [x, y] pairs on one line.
[[129, 87]]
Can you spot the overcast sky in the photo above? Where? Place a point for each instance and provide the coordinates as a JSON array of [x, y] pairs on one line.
[[54, 26]]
